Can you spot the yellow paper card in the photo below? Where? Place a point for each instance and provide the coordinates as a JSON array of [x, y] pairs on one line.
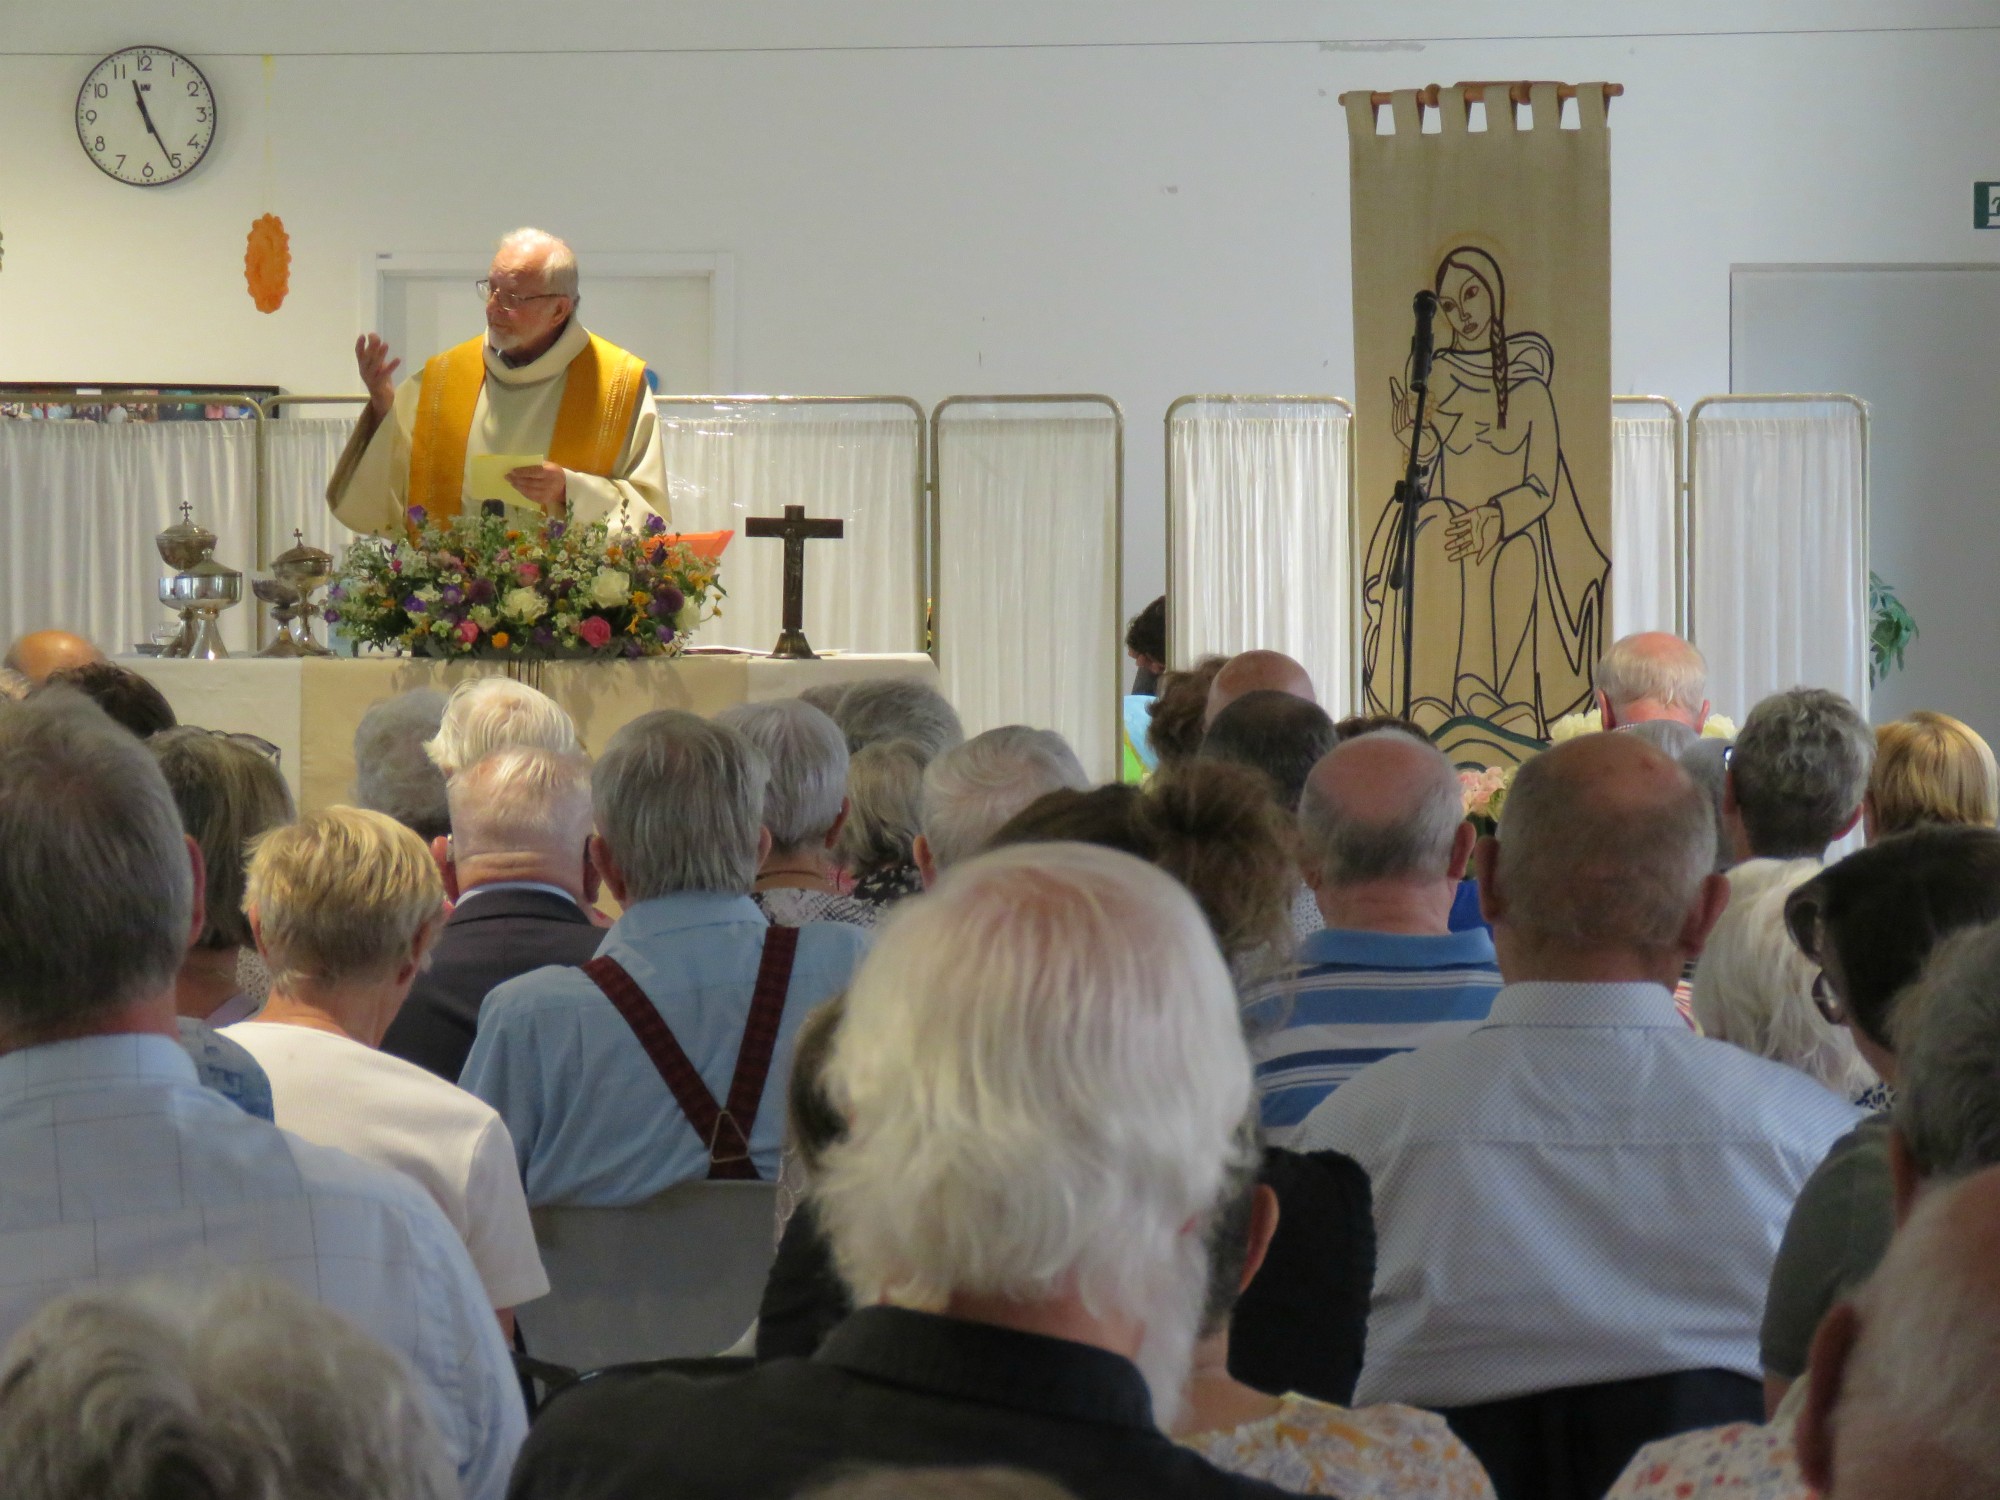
[[486, 476]]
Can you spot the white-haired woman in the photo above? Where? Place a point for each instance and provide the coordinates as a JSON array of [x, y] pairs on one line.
[[805, 808], [485, 714]]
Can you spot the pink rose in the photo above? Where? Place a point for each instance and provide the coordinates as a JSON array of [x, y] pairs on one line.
[[528, 572], [467, 631], [596, 632]]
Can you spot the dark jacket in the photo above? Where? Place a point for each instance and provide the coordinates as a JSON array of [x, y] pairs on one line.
[[491, 937]]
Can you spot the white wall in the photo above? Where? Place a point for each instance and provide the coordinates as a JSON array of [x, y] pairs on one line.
[[1143, 198]]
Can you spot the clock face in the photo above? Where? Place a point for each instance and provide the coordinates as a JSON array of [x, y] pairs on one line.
[[146, 116]]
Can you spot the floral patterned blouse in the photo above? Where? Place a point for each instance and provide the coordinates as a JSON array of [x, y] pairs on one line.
[[1742, 1461], [1366, 1453]]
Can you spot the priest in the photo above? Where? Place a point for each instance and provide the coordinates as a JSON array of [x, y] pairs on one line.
[[573, 407]]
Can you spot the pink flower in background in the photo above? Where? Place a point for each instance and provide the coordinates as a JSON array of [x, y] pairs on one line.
[[528, 572], [467, 631], [1485, 790], [596, 632]]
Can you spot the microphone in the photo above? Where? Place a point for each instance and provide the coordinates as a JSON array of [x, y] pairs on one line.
[[1425, 304]]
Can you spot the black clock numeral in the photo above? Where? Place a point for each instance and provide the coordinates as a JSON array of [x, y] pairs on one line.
[[145, 62], [90, 117], [194, 89], [121, 161], [193, 140], [200, 115], [99, 144], [149, 169], [99, 91], [118, 70], [173, 161]]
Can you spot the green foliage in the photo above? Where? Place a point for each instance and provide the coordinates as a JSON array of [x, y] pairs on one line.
[[1892, 629]]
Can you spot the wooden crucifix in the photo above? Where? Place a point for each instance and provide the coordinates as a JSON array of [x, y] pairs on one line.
[[795, 529]]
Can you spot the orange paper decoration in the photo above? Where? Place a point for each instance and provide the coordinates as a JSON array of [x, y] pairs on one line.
[[707, 545], [267, 263]]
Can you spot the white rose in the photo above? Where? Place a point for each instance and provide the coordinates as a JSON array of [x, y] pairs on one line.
[[611, 587], [689, 617], [482, 616], [525, 605]]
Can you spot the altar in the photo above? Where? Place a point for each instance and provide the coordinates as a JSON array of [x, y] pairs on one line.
[[309, 707]]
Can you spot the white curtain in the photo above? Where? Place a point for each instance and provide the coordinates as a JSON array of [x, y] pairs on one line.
[[80, 503], [1780, 552], [1644, 522], [859, 462], [1028, 570], [1259, 513], [299, 455]]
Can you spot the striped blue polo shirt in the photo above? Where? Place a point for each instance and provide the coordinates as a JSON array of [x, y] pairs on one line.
[[1354, 998]]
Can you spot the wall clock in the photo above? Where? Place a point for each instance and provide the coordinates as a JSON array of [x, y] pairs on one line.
[[145, 116]]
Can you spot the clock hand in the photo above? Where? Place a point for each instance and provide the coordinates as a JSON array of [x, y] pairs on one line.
[[146, 115]]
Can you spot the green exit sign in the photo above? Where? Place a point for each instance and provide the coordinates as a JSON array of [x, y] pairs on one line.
[[1986, 205]]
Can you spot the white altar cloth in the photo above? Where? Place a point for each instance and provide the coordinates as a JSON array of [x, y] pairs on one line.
[[309, 708]]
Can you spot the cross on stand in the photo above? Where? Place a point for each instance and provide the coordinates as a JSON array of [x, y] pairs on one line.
[[796, 530]]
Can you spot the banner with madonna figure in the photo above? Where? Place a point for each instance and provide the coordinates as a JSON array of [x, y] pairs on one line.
[[1509, 227]]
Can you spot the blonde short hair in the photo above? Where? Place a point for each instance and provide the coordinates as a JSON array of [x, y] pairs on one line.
[[341, 894], [1930, 768]]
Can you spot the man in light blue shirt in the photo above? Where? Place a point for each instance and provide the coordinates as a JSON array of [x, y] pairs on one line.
[[1384, 843], [596, 1120], [1580, 1190], [115, 1163]]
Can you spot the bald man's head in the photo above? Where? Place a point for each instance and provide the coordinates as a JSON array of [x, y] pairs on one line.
[[1652, 675], [1383, 807], [41, 653], [1902, 1402], [1257, 672], [1605, 846]]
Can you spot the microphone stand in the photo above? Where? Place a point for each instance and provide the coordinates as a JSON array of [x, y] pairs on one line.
[[1409, 493]]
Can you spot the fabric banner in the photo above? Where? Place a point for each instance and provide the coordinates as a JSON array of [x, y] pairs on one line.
[[1510, 228]]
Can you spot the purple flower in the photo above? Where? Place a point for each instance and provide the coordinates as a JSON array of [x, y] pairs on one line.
[[336, 593], [664, 632], [480, 591], [413, 605], [451, 594], [543, 636], [673, 600], [555, 529], [417, 514], [332, 617], [632, 648], [654, 525]]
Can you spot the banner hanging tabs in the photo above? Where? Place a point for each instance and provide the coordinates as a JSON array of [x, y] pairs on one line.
[[1508, 579]]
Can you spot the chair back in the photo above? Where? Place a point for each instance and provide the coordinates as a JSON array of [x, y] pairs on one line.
[[675, 1277]]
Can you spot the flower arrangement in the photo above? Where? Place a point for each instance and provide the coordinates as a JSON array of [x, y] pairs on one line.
[[484, 585], [1485, 792], [1591, 721]]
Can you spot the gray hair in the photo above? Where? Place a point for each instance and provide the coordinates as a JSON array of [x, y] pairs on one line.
[[808, 759], [485, 714], [970, 791], [885, 787], [1800, 769], [898, 708], [238, 1389], [392, 774], [13, 686], [1947, 1034], [519, 801], [1652, 667], [679, 803], [227, 795], [1410, 839], [1591, 860], [96, 890], [558, 260]]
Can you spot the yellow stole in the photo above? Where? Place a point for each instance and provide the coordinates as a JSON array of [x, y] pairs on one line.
[[601, 393]]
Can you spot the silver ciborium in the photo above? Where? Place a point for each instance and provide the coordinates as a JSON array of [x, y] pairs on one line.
[[181, 546], [201, 593], [296, 573]]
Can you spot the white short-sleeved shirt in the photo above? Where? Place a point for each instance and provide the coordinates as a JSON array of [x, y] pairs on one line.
[[339, 1092]]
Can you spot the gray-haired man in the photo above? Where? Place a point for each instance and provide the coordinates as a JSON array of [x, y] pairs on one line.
[[692, 987], [1797, 774]]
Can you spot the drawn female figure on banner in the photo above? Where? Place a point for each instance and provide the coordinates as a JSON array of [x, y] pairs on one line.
[[1503, 549]]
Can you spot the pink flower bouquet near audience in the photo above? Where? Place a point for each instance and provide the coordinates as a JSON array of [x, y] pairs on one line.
[[488, 586], [1485, 791]]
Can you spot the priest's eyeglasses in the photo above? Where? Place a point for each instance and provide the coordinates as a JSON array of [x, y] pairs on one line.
[[512, 301]]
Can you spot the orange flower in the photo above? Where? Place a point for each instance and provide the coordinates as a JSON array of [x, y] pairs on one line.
[[500, 639], [267, 263]]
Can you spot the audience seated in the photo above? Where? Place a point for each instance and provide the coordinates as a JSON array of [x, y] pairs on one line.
[[1544, 1224], [1796, 775], [1651, 678], [804, 1298], [1282, 737], [392, 772], [1946, 1130], [971, 790], [1753, 988], [1384, 843], [1146, 644], [237, 1389], [897, 708], [691, 980], [1023, 1233], [130, 699], [485, 714], [1311, 1447], [1256, 672], [40, 654], [1175, 718], [1869, 923], [346, 904], [227, 795], [1929, 768], [876, 846], [118, 1164], [518, 869], [805, 806]]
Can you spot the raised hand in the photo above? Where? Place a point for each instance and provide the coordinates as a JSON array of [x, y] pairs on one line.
[[378, 372]]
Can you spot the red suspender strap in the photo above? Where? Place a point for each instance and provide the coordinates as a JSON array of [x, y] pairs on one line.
[[727, 1131]]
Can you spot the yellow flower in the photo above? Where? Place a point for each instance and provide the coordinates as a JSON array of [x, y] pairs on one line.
[[639, 599], [500, 639]]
